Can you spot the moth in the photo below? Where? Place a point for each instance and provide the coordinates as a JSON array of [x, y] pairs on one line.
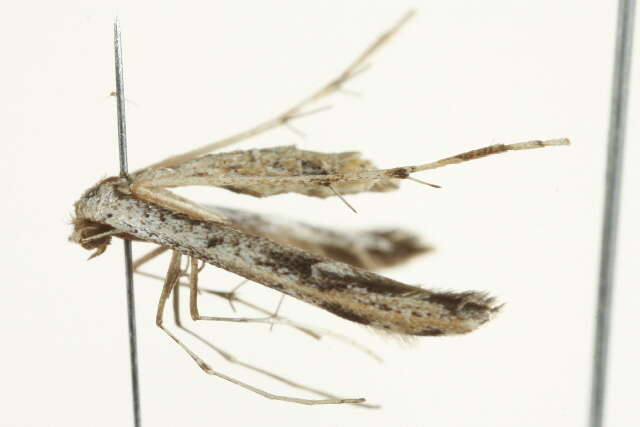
[[327, 268]]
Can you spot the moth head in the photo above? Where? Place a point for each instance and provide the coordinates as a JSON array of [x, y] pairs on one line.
[[90, 235], [87, 232]]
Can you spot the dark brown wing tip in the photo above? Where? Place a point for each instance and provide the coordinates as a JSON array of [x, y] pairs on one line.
[[401, 246], [380, 249]]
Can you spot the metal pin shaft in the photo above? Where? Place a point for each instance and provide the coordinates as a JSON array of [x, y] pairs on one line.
[[122, 144], [617, 125]]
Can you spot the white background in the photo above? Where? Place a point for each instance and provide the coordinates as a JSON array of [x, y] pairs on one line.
[[524, 226]]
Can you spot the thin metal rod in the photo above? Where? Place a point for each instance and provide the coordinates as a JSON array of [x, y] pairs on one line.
[[122, 123], [122, 145], [613, 184]]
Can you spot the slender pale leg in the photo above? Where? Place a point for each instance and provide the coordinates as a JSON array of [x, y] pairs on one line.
[[171, 280]]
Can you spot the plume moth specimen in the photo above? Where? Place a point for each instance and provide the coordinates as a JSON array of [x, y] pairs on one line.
[[327, 268]]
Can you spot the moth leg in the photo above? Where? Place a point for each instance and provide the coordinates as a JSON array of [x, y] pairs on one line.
[[232, 359], [228, 295], [300, 109], [277, 310], [231, 296], [148, 257], [312, 331], [193, 303], [371, 176], [273, 318], [171, 280]]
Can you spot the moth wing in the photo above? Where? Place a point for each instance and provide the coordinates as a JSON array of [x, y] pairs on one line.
[[276, 170], [368, 249]]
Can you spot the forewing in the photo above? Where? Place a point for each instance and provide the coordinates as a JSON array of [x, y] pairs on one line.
[[270, 171], [368, 249]]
